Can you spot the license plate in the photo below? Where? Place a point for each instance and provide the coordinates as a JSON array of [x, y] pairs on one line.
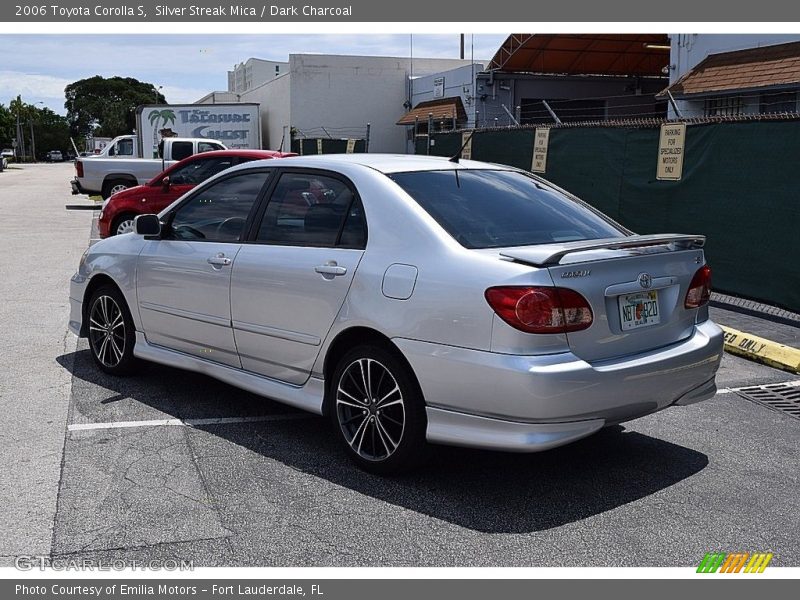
[[639, 310]]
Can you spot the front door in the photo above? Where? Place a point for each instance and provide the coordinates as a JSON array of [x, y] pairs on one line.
[[290, 282], [183, 279]]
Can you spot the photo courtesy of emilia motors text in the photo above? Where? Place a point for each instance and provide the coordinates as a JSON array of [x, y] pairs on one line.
[[356, 300]]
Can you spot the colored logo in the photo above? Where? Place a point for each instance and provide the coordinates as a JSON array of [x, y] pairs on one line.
[[734, 562]]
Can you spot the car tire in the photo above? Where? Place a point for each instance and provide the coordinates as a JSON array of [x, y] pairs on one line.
[[378, 410], [114, 186], [112, 334], [124, 221]]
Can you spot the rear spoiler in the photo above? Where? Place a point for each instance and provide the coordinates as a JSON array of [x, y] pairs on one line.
[[548, 255]]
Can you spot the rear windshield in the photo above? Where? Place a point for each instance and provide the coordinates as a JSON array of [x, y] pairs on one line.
[[496, 209]]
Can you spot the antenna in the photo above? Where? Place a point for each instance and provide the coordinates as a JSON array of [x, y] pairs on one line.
[[457, 155], [283, 137]]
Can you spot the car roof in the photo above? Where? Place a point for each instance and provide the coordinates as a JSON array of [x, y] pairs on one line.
[[242, 153], [388, 163]]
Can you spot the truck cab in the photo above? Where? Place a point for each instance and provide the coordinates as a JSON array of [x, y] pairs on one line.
[[120, 166]]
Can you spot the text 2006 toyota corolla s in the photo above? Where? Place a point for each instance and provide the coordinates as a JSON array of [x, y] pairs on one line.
[[412, 299]]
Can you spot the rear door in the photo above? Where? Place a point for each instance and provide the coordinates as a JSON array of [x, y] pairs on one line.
[[290, 281]]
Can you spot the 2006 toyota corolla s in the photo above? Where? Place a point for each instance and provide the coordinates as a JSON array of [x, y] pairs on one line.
[[412, 299]]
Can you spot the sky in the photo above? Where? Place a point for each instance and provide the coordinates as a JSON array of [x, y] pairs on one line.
[[189, 66]]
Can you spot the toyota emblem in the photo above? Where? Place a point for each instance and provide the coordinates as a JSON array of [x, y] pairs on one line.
[[645, 280]]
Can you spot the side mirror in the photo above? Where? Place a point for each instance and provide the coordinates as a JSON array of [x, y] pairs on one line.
[[165, 183], [147, 225]]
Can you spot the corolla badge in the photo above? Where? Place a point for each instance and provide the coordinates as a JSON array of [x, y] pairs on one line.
[[582, 273], [645, 280]]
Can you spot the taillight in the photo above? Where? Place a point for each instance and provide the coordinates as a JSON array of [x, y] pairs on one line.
[[79, 168], [700, 288], [540, 309]]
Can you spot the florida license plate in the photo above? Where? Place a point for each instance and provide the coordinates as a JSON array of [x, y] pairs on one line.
[[639, 310]]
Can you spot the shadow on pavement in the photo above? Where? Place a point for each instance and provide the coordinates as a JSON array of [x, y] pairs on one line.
[[483, 491]]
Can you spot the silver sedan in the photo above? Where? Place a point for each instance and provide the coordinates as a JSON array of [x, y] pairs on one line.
[[411, 299]]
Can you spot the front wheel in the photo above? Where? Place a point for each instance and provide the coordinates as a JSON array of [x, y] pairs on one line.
[[378, 410], [111, 331], [123, 224]]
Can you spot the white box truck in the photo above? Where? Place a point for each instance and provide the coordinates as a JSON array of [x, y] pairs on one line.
[[237, 125]]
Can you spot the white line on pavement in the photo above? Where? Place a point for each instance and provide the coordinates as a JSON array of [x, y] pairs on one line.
[[187, 422]]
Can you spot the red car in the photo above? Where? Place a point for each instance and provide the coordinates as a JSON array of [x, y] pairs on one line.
[[121, 209]]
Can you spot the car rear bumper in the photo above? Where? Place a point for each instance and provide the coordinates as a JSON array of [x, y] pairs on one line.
[[76, 187], [531, 403]]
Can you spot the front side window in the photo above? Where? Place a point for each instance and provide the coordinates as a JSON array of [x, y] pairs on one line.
[[199, 170], [218, 213], [312, 210], [495, 209]]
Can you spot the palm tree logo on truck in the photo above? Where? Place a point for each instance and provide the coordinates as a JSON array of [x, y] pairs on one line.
[[166, 117]]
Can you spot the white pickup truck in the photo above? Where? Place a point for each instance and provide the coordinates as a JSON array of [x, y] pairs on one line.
[[118, 166]]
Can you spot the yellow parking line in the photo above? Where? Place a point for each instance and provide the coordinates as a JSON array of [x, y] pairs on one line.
[[762, 350]]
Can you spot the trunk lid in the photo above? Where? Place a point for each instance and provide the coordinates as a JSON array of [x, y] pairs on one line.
[[635, 286]]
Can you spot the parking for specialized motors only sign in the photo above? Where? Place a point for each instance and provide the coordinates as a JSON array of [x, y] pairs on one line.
[[541, 140], [671, 145]]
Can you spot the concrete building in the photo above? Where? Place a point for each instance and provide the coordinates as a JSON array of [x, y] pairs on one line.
[[729, 74], [253, 72], [581, 77], [219, 98], [336, 96]]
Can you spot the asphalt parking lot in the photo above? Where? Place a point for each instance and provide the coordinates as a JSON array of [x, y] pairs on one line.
[[170, 464]]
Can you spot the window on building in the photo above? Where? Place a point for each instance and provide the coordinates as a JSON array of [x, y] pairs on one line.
[[779, 102], [725, 105]]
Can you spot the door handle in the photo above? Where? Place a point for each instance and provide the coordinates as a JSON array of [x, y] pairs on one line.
[[220, 260], [331, 268]]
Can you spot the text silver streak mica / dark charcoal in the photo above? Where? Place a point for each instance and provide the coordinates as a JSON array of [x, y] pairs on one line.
[[412, 299]]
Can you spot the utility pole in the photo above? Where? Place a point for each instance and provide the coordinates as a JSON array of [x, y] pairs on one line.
[[461, 55], [33, 142]]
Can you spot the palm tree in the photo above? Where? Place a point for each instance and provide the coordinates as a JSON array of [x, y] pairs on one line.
[[166, 116]]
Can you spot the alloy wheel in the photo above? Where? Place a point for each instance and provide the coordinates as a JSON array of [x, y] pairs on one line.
[[117, 188], [370, 409], [107, 331]]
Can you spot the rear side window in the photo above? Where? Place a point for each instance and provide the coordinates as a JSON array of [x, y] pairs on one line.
[[496, 209], [308, 209], [208, 146]]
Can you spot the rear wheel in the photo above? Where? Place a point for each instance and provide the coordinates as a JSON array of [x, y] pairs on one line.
[[115, 185], [123, 224], [378, 410], [111, 331]]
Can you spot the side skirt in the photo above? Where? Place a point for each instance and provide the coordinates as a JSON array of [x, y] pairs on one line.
[[307, 397]]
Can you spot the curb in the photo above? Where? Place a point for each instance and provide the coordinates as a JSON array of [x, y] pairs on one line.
[[762, 350]]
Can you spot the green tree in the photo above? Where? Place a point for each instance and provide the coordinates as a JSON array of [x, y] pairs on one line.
[[107, 106], [50, 130], [7, 126]]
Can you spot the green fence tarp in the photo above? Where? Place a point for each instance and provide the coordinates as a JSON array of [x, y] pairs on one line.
[[739, 188], [329, 146]]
